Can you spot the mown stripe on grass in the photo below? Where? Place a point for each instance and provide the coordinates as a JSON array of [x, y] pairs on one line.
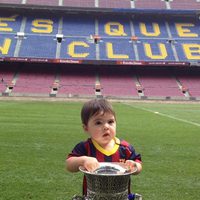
[[164, 115]]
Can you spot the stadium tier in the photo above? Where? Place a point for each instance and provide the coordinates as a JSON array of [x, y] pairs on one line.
[[159, 83], [6, 78], [96, 38], [33, 82], [116, 83], [185, 4], [190, 81], [108, 81], [156, 4], [76, 82], [112, 4]]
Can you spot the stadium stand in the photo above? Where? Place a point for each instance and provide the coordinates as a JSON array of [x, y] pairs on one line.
[[185, 4], [117, 83], [34, 80], [6, 80], [46, 47], [42, 2], [116, 4], [190, 81], [126, 51], [79, 3], [78, 26], [6, 77], [11, 1], [148, 4], [159, 83], [165, 39], [76, 82]]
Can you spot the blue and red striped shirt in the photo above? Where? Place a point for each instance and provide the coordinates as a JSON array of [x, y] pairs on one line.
[[121, 152]]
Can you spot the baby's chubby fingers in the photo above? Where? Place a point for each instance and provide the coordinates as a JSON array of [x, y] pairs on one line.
[[91, 164], [131, 165]]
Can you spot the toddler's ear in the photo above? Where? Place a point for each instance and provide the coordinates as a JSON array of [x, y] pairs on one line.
[[85, 128]]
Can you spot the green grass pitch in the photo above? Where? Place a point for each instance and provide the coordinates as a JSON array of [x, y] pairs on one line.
[[35, 138]]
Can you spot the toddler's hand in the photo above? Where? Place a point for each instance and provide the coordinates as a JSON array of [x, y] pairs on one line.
[[131, 165], [91, 164]]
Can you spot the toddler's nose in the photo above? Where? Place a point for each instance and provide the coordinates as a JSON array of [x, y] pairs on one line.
[[106, 126]]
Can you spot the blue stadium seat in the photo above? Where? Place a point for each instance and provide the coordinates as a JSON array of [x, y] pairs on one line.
[[166, 54], [74, 25], [192, 25], [7, 44], [10, 23], [118, 49], [115, 34], [192, 54], [77, 48], [35, 46], [151, 25], [114, 26], [42, 25]]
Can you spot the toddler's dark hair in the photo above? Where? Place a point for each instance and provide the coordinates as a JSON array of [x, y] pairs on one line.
[[94, 107]]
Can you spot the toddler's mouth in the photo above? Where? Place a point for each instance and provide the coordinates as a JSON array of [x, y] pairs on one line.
[[106, 134]]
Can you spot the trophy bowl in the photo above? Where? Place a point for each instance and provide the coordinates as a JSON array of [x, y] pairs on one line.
[[109, 182]]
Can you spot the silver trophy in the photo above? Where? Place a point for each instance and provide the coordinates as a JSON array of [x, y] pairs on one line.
[[109, 182]]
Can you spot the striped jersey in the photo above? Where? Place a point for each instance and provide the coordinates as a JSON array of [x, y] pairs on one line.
[[121, 152]]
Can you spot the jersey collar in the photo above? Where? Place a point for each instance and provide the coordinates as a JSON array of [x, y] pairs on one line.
[[106, 152]]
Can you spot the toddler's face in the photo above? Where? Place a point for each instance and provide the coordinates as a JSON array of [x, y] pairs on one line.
[[101, 128]]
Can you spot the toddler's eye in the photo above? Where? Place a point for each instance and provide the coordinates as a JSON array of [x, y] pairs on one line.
[[98, 123], [111, 121]]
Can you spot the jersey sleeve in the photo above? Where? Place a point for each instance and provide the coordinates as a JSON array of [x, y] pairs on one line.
[[79, 150], [129, 152], [134, 155]]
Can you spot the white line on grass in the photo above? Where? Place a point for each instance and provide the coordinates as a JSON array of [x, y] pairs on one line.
[[164, 115]]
